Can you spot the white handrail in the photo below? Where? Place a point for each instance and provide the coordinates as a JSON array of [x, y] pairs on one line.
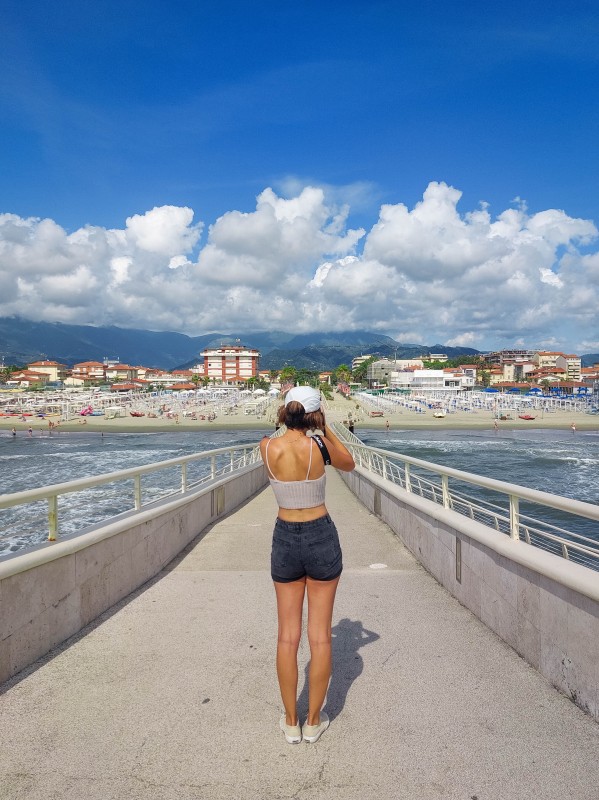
[[246, 455], [398, 468]]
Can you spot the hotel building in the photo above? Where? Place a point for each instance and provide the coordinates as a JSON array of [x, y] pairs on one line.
[[230, 364]]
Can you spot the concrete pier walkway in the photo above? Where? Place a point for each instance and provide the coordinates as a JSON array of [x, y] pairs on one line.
[[173, 693]]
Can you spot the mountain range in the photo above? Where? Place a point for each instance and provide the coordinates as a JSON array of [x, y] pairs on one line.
[[22, 341]]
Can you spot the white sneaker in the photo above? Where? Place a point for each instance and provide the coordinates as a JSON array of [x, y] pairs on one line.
[[312, 733], [293, 733]]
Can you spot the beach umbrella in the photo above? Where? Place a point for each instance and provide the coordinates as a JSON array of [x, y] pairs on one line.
[[488, 389], [259, 391]]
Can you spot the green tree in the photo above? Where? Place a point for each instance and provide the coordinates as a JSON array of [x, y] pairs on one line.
[[326, 390], [307, 377], [288, 374], [485, 377], [341, 374], [360, 372]]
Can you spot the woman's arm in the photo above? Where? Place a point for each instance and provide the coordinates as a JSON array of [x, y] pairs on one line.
[[341, 458]]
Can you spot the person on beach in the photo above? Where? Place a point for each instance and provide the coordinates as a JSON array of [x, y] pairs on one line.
[[306, 555], [387, 426]]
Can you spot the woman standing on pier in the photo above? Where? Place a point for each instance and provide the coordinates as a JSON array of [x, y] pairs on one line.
[[306, 555]]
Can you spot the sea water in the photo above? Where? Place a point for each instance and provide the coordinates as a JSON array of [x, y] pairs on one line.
[[29, 462], [560, 462]]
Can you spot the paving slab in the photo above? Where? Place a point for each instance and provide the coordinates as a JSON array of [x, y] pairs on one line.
[[173, 693]]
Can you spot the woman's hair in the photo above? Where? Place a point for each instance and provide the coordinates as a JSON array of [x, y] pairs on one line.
[[294, 417]]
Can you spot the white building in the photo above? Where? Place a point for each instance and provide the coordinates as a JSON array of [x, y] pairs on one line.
[[440, 380]]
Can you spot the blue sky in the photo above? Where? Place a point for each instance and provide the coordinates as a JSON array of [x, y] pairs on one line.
[[113, 111]]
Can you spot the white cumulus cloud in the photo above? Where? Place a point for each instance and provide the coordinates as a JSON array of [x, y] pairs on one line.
[[430, 274]]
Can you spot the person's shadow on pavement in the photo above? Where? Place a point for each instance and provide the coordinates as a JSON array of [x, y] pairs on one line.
[[348, 637]]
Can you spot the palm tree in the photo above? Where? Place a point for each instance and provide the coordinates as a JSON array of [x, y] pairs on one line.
[[342, 374]]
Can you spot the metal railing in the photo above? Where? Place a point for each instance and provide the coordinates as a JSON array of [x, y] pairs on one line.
[[216, 464], [502, 506], [499, 505]]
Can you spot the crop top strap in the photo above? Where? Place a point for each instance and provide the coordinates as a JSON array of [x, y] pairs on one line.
[[310, 461], [266, 455], [268, 465]]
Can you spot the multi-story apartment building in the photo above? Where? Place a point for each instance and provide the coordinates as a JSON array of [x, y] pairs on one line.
[[230, 364], [89, 371], [546, 358], [121, 372], [54, 370], [571, 364], [515, 356]]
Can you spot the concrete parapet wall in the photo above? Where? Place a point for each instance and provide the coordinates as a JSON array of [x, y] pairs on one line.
[[51, 593], [545, 607]]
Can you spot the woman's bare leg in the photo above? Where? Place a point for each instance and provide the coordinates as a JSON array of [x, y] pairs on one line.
[[321, 597], [290, 601]]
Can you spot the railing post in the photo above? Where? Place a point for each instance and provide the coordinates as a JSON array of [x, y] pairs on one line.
[[184, 477], [514, 517], [52, 518], [445, 490], [232, 459], [213, 467], [408, 480], [385, 467], [137, 492]]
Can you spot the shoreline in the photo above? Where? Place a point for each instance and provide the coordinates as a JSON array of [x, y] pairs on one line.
[[403, 420]]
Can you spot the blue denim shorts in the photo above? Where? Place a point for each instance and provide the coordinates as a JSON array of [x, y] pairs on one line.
[[301, 549]]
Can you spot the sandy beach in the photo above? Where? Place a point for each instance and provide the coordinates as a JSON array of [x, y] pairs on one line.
[[337, 410]]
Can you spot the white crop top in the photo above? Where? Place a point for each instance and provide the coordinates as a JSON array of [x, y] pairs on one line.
[[297, 494]]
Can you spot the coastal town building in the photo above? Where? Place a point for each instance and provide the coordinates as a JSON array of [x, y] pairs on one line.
[[355, 362], [389, 371], [27, 378], [121, 372], [571, 364], [428, 380], [53, 369], [89, 371], [516, 356], [230, 364]]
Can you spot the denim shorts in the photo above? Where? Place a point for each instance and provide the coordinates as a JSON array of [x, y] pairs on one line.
[[301, 549]]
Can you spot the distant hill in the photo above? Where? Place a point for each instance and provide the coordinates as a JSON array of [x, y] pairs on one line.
[[22, 341], [590, 359], [323, 357]]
